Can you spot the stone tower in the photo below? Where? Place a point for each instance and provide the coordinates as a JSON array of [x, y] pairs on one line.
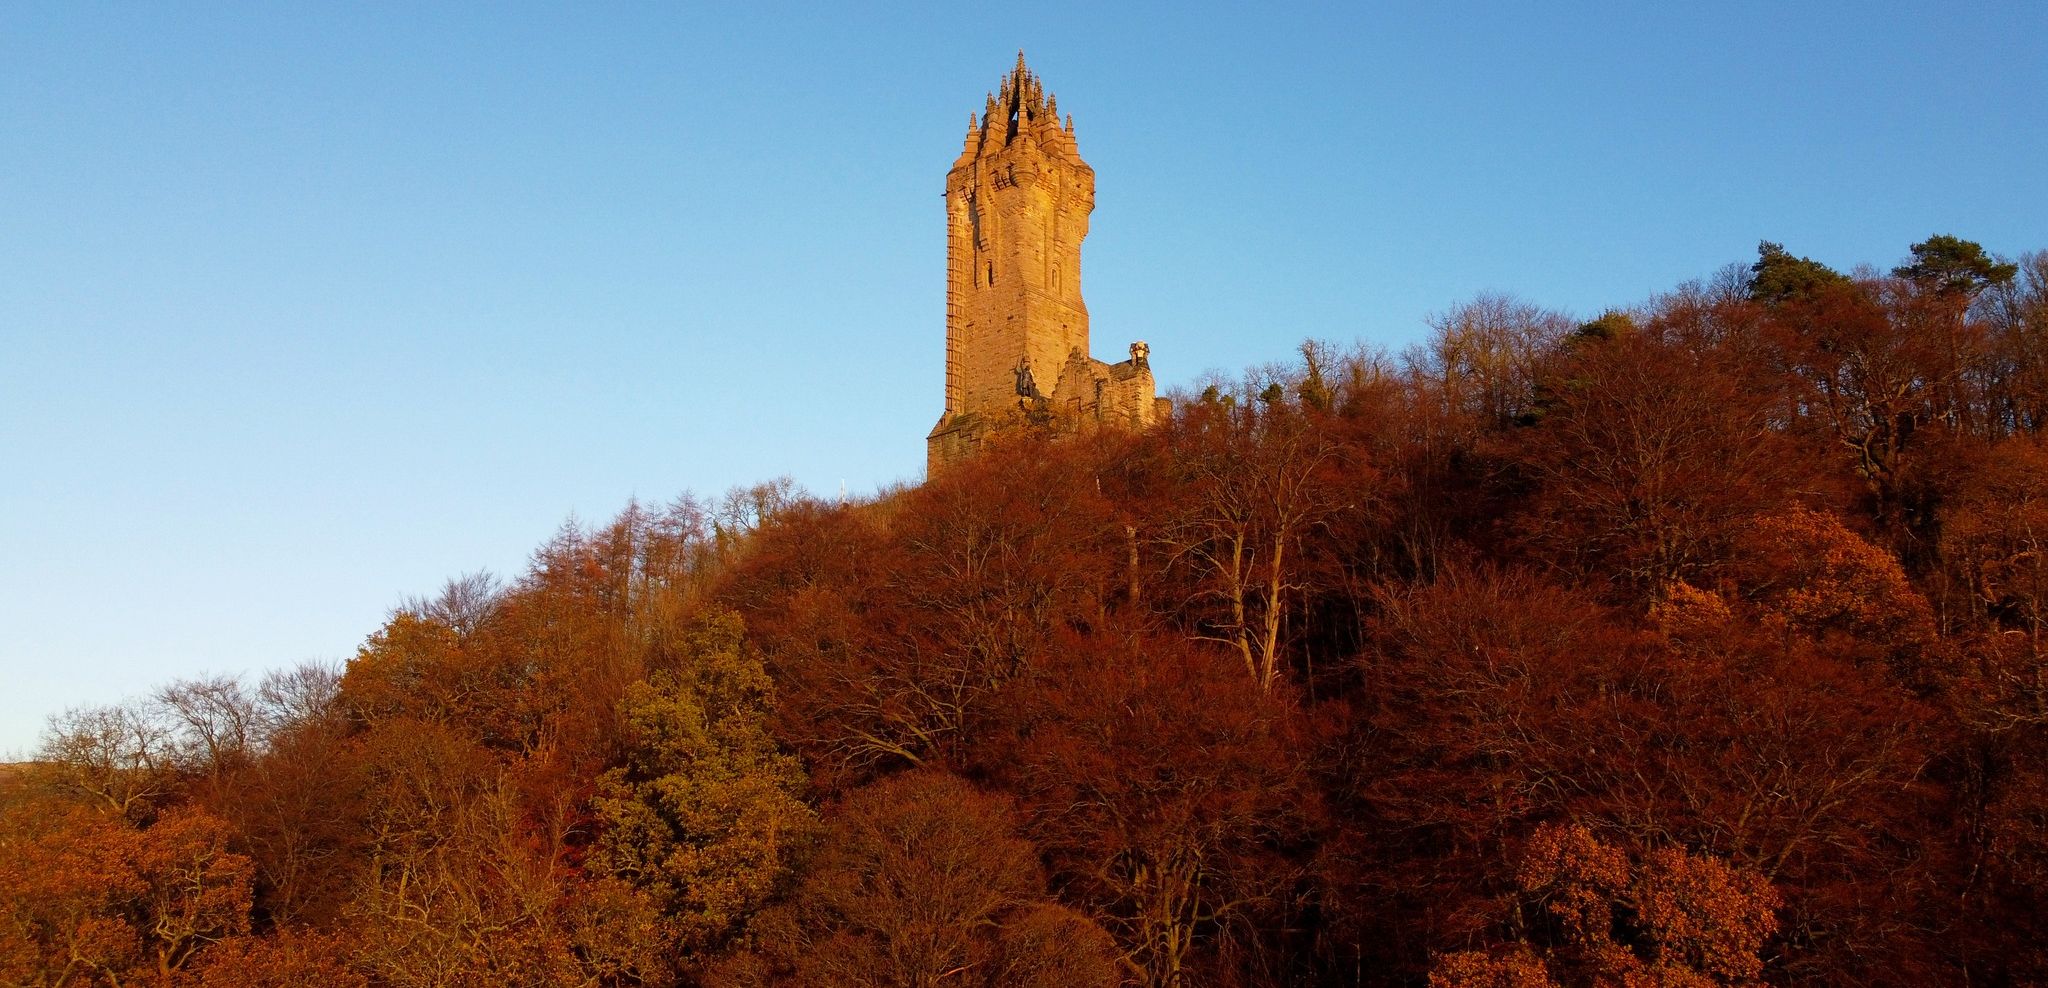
[[1017, 205]]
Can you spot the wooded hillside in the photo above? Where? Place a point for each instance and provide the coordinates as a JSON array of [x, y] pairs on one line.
[[1703, 643]]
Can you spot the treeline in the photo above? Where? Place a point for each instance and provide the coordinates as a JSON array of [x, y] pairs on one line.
[[1699, 644]]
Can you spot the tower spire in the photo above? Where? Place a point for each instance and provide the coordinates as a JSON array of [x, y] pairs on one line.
[[973, 132], [1023, 88]]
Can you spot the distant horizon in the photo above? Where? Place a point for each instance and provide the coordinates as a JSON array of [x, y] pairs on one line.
[[306, 311]]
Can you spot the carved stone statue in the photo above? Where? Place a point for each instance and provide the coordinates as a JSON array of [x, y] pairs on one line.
[[1026, 387]]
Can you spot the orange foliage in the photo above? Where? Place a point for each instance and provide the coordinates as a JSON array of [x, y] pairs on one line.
[[1819, 579], [90, 896], [283, 959], [1669, 919], [1647, 459], [921, 879], [1158, 780]]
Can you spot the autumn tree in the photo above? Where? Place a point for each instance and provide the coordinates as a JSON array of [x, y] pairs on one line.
[[918, 880], [1248, 483], [1883, 375], [120, 756], [288, 958], [1468, 726], [299, 812], [90, 897], [1590, 915], [476, 900], [1496, 701], [744, 510], [65, 880], [1994, 539], [706, 811], [1481, 356], [1820, 579], [1797, 758], [297, 804], [1647, 461], [1997, 569], [217, 722], [2017, 376], [896, 633], [1165, 788]]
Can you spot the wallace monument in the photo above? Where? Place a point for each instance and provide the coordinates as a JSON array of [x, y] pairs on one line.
[[1017, 205]]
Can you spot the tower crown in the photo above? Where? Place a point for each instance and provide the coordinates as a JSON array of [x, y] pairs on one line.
[[1020, 108]]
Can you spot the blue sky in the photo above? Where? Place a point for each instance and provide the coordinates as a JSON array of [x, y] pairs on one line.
[[307, 308]]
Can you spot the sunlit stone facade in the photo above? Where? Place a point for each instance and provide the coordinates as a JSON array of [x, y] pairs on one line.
[[1017, 205]]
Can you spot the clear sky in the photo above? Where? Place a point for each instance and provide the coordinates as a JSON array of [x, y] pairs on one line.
[[307, 308]]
